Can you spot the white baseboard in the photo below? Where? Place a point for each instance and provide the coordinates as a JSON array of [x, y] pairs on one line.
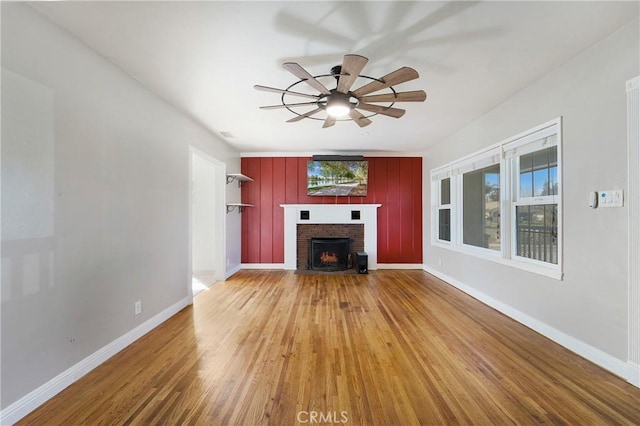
[[399, 266], [380, 266], [262, 266], [616, 366], [634, 374], [16, 411]]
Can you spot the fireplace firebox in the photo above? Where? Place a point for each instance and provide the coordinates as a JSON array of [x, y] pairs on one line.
[[329, 254]]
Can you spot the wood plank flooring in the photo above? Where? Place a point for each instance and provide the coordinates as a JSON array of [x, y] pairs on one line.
[[388, 348]]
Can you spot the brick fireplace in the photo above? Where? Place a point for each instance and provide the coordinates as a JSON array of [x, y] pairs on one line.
[[305, 232], [357, 221]]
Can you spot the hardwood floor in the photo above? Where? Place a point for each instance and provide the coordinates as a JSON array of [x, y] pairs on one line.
[[388, 348]]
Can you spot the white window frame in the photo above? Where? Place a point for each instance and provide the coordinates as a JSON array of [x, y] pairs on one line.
[[436, 185], [476, 162], [535, 141], [505, 153]]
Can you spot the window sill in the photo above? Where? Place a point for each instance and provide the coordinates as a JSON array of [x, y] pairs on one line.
[[551, 271]]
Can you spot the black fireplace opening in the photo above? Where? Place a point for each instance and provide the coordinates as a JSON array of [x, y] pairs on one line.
[[329, 254]]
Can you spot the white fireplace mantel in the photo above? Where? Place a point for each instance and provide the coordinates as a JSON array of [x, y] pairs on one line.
[[333, 214]]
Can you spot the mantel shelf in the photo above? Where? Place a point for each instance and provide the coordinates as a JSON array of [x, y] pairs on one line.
[[240, 206], [238, 177]]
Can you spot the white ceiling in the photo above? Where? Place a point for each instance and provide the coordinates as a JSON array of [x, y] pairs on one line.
[[205, 57]]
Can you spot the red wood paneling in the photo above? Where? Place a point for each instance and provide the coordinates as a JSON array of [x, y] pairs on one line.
[[381, 196], [244, 227], [251, 222], [302, 182], [394, 182], [277, 222], [266, 209], [406, 205], [417, 207], [292, 182], [394, 221]]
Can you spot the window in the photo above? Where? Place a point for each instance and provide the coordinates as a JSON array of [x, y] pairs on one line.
[[535, 219], [442, 194], [504, 203], [444, 210], [481, 208]]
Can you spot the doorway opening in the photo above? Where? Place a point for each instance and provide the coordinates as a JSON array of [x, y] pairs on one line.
[[207, 221]]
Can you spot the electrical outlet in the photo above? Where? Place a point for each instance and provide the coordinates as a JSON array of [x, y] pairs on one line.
[[137, 307]]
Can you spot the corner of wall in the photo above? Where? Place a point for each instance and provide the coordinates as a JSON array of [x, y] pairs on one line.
[[19, 409]]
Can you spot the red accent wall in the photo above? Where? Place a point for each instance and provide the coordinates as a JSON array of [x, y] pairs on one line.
[[394, 182]]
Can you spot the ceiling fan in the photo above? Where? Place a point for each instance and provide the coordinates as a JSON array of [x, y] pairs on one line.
[[341, 103]]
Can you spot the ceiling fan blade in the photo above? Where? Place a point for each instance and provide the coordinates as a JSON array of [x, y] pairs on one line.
[[360, 119], [412, 96], [330, 121], [302, 74], [352, 65], [305, 115], [287, 92], [288, 105], [378, 109], [400, 75]]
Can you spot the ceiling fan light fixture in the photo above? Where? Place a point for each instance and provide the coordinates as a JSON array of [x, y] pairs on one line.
[[338, 104], [338, 108]]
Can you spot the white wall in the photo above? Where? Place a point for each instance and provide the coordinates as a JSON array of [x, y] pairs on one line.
[[95, 202], [590, 304]]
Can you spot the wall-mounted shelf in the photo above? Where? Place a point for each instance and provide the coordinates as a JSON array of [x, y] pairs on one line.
[[238, 177], [240, 206]]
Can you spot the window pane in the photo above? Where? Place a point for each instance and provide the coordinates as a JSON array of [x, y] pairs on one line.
[[444, 225], [540, 182], [553, 180], [537, 232], [526, 184], [445, 191], [481, 208], [539, 173], [526, 175]]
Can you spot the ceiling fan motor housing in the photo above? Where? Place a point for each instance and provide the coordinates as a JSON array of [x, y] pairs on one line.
[[336, 71]]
